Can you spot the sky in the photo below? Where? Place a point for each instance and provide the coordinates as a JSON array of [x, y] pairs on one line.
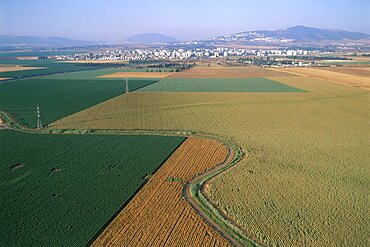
[[113, 20]]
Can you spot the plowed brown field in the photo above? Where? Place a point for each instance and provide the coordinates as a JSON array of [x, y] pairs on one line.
[[137, 75], [158, 215], [228, 72]]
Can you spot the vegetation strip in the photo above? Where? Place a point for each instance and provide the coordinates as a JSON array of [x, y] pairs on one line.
[[194, 193]]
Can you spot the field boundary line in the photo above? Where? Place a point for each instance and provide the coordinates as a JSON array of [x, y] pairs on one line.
[[193, 190]]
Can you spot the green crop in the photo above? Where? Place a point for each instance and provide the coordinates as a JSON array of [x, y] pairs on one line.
[[60, 190]]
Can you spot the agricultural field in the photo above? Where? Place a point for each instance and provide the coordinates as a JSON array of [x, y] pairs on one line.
[[137, 75], [58, 98], [16, 68], [228, 72], [158, 214], [60, 190], [49, 68], [35, 62], [336, 76], [218, 85], [304, 180], [357, 71]]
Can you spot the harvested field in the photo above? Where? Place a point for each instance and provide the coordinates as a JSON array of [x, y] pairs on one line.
[[228, 72], [137, 75], [306, 177], [27, 58], [17, 68], [357, 71], [336, 77], [158, 215], [1, 79], [218, 85]]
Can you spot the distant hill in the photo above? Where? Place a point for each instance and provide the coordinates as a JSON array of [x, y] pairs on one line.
[[13, 40], [296, 33], [150, 38]]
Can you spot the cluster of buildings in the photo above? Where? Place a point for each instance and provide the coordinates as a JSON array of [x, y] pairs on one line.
[[175, 54], [251, 37]]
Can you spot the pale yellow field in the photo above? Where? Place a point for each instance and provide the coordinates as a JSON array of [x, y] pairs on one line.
[[3, 79], [306, 177], [27, 58], [15, 68], [137, 75], [357, 71], [333, 76]]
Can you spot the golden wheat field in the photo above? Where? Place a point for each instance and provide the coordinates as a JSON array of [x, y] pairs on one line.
[[306, 177], [332, 75], [357, 71], [159, 214]]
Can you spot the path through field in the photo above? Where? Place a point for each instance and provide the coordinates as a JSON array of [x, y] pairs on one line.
[[159, 214]]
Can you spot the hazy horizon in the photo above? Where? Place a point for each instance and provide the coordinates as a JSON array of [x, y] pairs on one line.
[[114, 20]]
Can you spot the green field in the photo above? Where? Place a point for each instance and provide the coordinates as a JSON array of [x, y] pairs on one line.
[[58, 98], [51, 68], [36, 62], [59, 190], [218, 85], [92, 74], [305, 178]]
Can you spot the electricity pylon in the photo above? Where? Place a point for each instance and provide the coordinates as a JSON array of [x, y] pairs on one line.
[[39, 124], [126, 86]]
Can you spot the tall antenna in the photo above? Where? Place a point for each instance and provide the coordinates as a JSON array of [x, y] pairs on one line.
[[127, 86], [39, 124]]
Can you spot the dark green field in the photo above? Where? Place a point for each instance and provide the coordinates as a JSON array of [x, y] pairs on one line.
[[59, 190], [58, 98], [28, 62], [218, 85], [49, 68]]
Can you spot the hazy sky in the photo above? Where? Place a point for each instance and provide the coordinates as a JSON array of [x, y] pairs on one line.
[[113, 20]]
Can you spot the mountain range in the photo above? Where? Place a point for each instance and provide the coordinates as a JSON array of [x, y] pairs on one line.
[[150, 38], [292, 34], [9, 40], [296, 33]]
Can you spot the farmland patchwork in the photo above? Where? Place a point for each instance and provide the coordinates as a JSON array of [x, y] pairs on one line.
[[59, 190]]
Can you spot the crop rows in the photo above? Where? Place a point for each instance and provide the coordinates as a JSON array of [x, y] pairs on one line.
[[228, 72], [306, 174], [333, 76], [218, 85], [58, 98], [158, 214], [59, 190]]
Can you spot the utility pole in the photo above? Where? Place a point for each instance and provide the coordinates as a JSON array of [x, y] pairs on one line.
[[39, 124], [127, 86]]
